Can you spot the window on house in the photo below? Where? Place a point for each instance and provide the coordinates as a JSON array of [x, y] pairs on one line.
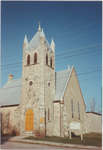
[[35, 58], [78, 111], [72, 109], [28, 60], [51, 62], [48, 114], [46, 59]]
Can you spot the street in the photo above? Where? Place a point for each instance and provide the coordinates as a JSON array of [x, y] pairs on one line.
[[17, 145]]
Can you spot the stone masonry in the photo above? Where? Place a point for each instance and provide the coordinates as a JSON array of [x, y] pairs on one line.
[[51, 103]]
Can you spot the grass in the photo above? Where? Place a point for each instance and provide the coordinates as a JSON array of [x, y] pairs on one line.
[[92, 139]]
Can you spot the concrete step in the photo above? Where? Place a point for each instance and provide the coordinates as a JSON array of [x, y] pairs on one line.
[[30, 133]]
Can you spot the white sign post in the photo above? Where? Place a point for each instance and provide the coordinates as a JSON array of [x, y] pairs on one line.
[[75, 126]]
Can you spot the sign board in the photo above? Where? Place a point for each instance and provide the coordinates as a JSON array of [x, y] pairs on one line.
[[74, 125]]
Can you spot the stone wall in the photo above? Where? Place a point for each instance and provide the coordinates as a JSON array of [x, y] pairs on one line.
[[49, 94], [72, 98], [56, 124], [40, 94], [93, 123], [10, 120]]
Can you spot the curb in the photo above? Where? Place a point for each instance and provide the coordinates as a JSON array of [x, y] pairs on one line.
[[53, 144]]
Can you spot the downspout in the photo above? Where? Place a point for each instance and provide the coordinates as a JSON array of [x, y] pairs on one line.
[[45, 121], [60, 119], [44, 97]]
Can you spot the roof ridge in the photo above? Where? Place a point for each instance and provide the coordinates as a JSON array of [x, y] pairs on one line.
[[67, 80], [64, 70]]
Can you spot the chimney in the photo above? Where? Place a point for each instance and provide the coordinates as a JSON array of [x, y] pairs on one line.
[[10, 77]]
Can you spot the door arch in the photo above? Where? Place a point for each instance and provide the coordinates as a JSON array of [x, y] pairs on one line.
[[29, 119]]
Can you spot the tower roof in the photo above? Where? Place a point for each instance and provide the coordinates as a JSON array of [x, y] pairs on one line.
[[36, 40]]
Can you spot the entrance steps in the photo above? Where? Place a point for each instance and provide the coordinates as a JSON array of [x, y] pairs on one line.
[[29, 133]]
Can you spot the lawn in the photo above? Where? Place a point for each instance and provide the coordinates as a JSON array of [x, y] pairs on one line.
[[93, 139]]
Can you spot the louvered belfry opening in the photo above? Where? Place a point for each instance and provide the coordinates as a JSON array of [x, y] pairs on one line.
[[35, 58], [46, 59], [51, 62], [29, 120], [28, 60]]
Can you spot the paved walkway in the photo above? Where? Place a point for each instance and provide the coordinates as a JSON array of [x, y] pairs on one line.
[[26, 146], [22, 140]]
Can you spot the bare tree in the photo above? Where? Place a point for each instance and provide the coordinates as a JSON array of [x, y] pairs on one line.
[[92, 105]]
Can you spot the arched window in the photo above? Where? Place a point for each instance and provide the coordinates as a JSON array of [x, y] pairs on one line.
[[72, 108], [46, 59], [78, 111], [51, 63], [35, 58], [48, 114], [28, 60], [29, 118]]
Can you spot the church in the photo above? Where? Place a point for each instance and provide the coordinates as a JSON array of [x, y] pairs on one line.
[[43, 102]]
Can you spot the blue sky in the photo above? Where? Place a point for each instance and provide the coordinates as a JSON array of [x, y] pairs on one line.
[[76, 28]]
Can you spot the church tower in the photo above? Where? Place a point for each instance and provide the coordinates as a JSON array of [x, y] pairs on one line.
[[38, 85]]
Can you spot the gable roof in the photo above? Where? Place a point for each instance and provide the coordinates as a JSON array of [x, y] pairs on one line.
[[94, 113], [61, 81], [10, 94]]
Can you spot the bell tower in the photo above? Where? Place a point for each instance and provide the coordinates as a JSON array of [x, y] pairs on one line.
[[38, 85]]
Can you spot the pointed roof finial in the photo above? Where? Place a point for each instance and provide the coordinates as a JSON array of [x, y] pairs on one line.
[[42, 33], [42, 30], [25, 39], [52, 45], [39, 27], [25, 44]]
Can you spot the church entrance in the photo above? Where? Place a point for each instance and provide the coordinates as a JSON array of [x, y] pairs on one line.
[[29, 120]]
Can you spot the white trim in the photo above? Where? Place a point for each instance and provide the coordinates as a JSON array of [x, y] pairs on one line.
[[67, 82]]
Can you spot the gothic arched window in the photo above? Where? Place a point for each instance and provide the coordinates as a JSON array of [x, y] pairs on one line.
[[78, 111], [48, 114], [28, 60], [35, 58], [72, 108], [46, 59], [51, 63]]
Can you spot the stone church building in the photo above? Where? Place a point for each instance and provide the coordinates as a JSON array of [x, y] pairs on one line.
[[42, 102]]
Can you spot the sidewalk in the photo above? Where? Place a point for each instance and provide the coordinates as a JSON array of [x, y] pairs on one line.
[[22, 140]]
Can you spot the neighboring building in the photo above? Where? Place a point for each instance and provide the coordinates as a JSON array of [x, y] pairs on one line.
[[43, 102], [93, 122]]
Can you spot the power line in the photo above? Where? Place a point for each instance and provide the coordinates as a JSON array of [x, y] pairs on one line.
[[78, 74], [83, 48], [16, 67], [18, 63], [75, 49], [63, 58]]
